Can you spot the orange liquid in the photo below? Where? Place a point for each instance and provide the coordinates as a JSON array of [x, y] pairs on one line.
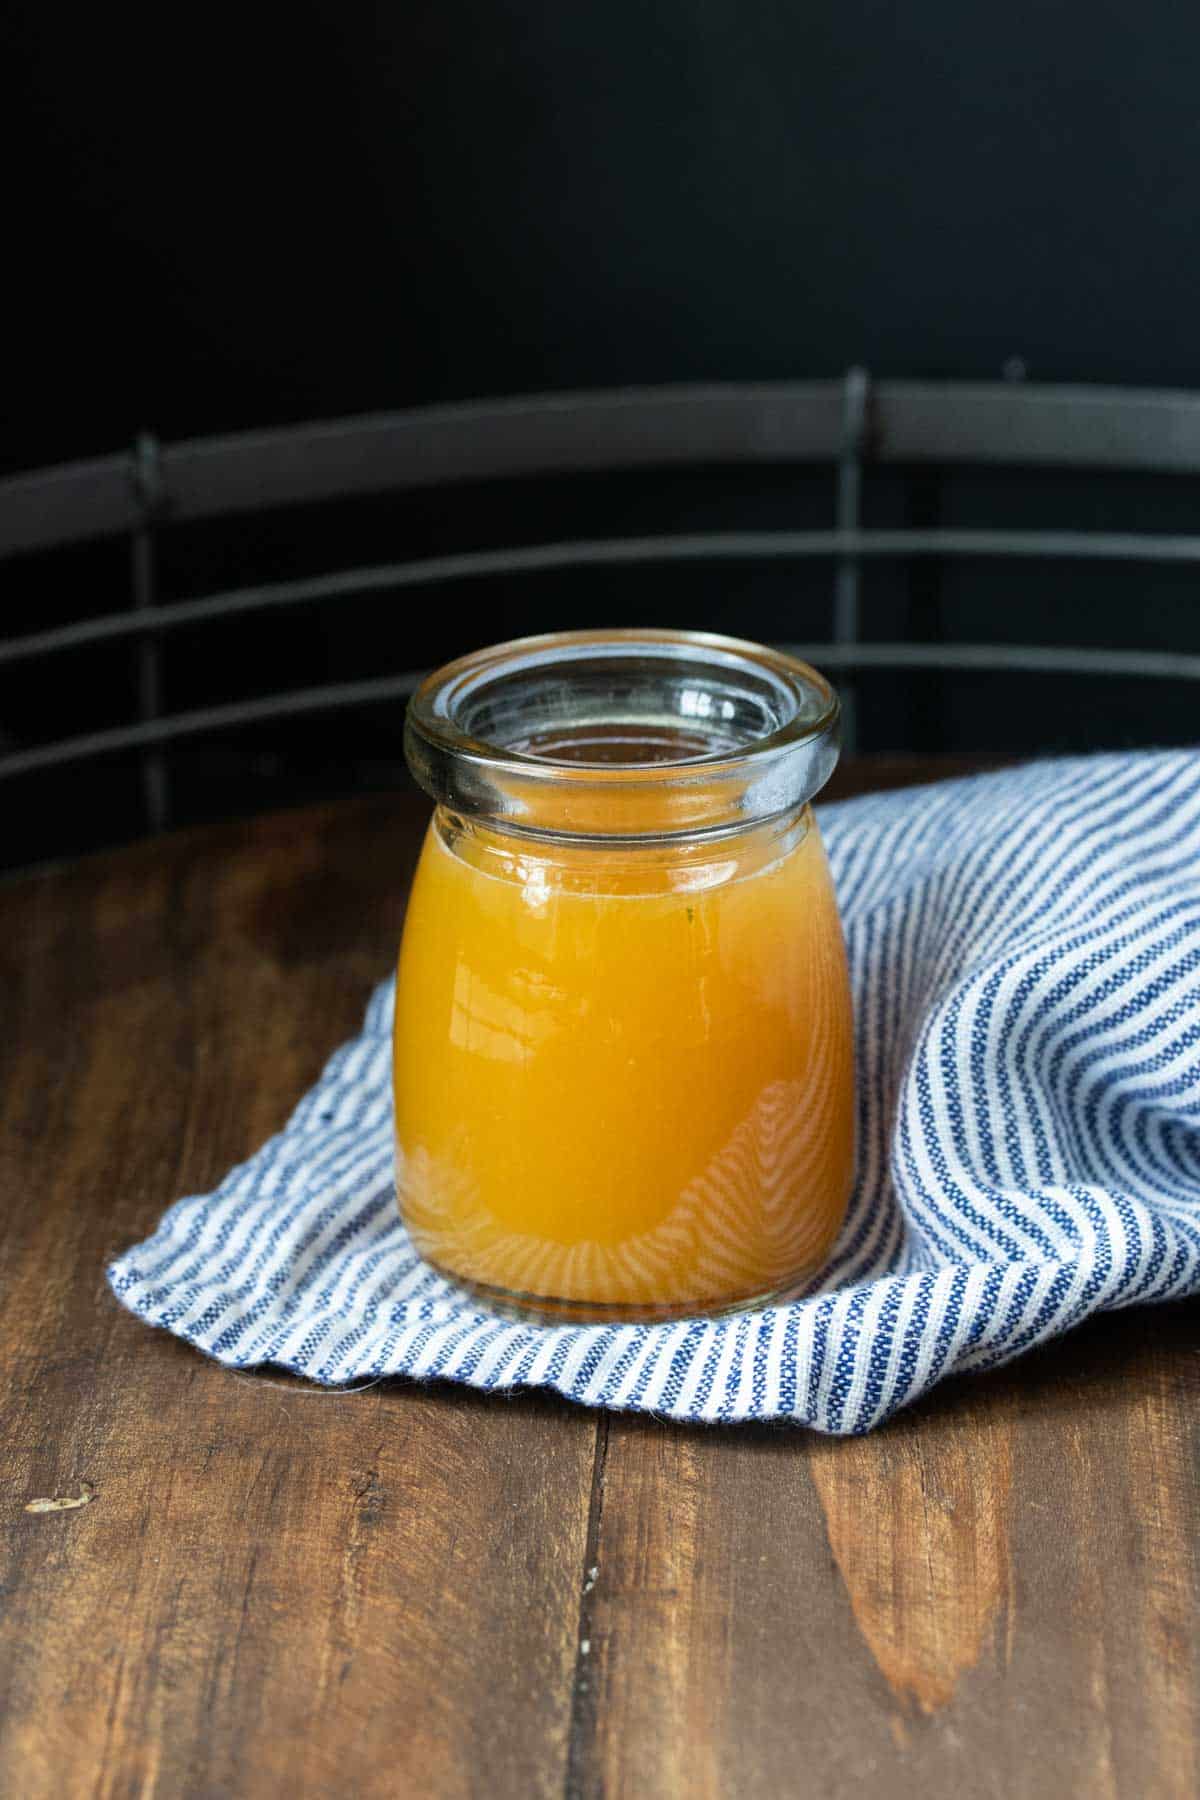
[[624, 1076]]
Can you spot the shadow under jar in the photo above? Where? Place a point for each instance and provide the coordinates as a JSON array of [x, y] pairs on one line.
[[623, 1047]]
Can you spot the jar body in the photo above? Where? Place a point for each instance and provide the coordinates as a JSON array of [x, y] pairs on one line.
[[624, 1070]]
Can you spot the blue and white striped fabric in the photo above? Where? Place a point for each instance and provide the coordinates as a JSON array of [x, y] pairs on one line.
[[1025, 954]]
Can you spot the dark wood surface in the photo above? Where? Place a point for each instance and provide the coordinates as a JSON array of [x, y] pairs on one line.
[[274, 1590]]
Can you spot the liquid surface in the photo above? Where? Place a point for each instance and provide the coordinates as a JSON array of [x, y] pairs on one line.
[[624, 1077]]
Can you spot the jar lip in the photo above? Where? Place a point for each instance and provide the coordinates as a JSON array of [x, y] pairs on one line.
[[770, 719], [431, 710]]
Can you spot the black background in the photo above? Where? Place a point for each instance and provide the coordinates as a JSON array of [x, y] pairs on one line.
[[218, 220]]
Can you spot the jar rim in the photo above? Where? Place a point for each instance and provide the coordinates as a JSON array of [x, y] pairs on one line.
[[736, 782]]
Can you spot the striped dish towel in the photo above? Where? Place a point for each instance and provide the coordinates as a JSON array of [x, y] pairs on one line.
[[1025, 956]]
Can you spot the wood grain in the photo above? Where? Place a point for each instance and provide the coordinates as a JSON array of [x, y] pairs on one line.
[[993, 1595], [918, 1528], [273, 1590]]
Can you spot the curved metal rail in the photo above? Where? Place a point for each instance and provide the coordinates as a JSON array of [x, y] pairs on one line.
[[851, 424]]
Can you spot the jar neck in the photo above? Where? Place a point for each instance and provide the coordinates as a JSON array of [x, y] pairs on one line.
[[679, 864], [623, 735]]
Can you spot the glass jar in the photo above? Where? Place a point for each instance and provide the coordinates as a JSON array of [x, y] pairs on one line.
[[623, 1050]]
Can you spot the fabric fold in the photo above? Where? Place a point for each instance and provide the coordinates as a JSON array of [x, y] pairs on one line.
[[1024, 951]]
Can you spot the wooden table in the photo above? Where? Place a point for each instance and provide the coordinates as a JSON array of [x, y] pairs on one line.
[[415, 1590]]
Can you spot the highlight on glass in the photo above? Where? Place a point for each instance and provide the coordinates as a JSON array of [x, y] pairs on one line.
[[624, 1080]]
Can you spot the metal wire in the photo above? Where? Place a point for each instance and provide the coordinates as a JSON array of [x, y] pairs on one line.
[[729, 546], [851, 423], [209, 719], [1028, 659], [147, 481], [848, 519], [1000, 423]]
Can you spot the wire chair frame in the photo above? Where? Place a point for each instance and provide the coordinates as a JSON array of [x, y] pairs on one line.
[[853, 425]]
